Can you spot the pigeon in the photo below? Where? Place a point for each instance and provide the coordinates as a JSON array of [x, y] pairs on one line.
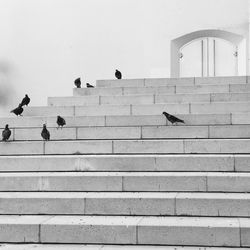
[[118, 74], [60, 121], [89, 85], [172, 118], [6, 133], [17, 111], [25, 101], [78, 82], [45, 133]]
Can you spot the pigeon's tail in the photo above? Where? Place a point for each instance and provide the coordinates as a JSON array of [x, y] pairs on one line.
[[180, 120]]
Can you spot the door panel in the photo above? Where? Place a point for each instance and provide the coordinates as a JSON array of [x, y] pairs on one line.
[[190, 59], [225, 59], [208, 57]]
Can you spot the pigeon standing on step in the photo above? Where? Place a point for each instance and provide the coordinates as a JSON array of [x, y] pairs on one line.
[[78, 82], [172, 119], [25, 101], [60, 121], [118, 74], [89, 85], [17, 111], [45, 133], [6, 133]]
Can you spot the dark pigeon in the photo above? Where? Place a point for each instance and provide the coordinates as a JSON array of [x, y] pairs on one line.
[[45, 133], [25, 101], [60, 121], [6, 133], [17, 111], [78, 82], [89, 85], [118, 74], [172, 119]]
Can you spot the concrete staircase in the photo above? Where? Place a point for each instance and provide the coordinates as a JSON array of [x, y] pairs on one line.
[[119, 176]]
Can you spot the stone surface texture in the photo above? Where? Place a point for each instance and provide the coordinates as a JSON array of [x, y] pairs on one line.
[[119, 175]]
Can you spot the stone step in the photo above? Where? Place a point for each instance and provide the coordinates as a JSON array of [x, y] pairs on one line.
[[193, 108], [104, 247], [222, 80], [219, 107], [150, 163], [146, 99], [125, 203], [145, 109], [162, 146], [228, 182], [190, 119], [103, 182], [139, 230], [172, 81], [148, 132], [174, 89], [101, 110], [146, 82], [74, 121], [126, 120]]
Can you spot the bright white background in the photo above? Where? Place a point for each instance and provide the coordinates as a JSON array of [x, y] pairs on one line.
[[46, 44]]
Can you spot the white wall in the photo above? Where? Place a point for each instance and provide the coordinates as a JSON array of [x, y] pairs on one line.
[[46, 44]]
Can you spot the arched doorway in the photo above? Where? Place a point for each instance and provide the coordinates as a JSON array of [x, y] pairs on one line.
[[206, 53]]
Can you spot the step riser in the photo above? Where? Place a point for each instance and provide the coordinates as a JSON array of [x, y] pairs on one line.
[[150, 109], [135, 230], [147, 82], [127, 147], [101, 234], [199, 89], [147, 99], [172, 204], [126, 163], [222, 80], [100, 247], [171, 81], [71, 121], [189, 119], [191, 236], [178, 146], [127, 183], [88, 206], [104, 183], [166, 132]]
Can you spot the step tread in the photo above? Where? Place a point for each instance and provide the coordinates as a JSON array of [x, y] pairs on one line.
[[125, 195], [103, 247], [121, 173], [156, 221]]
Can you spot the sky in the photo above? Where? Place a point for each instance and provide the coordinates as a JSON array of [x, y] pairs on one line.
[[46, 44]]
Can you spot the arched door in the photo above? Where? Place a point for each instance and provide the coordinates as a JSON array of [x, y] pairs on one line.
[[208, 56]]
